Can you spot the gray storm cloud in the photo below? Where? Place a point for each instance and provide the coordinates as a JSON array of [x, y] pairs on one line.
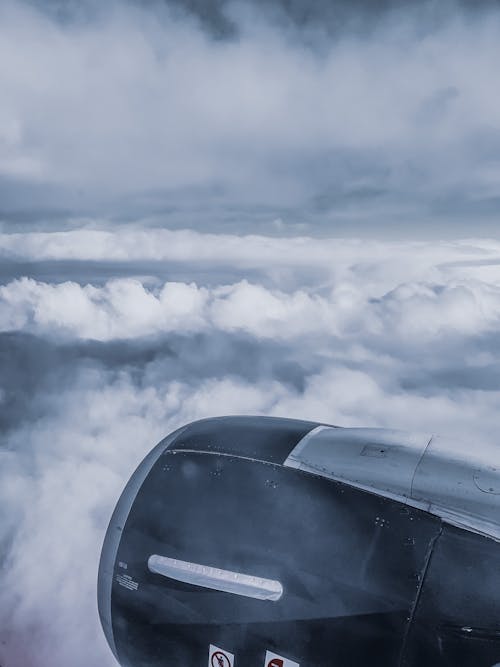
[[137, 107], [94, 373]]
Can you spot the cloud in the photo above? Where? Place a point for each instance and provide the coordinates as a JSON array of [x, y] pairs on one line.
[[300, 288], [124, 309], [273, 256], [138, 108], [121, 309]]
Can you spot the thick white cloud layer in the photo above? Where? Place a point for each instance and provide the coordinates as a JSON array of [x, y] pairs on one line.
[[370, 288], [399, 335], [124, 309]]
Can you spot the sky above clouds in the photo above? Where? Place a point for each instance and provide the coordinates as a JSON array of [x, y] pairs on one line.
[[218, 207]]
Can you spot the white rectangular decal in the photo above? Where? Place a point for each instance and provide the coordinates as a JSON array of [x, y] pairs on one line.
[[218, 657], [275, 660]]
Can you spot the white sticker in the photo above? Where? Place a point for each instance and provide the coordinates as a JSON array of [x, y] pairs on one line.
[[218, 657], [275, 660], [126, 581]]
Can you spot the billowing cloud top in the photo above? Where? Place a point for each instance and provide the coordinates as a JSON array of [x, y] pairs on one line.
[[239, 114]]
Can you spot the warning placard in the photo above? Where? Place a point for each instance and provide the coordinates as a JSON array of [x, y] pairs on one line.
[[218, 657], [275, 660]]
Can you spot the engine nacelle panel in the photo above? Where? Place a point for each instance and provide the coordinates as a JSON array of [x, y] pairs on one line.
[[219, 554]]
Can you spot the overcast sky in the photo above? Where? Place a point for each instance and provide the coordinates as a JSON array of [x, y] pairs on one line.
[[283, 208], [362, 118]]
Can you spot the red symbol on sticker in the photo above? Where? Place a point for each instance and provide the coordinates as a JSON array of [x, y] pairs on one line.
[[219, 659], [275, 662]]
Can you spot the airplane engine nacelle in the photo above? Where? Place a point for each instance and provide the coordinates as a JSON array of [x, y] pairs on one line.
[[267, 542]]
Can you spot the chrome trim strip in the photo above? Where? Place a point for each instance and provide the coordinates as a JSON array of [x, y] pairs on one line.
[[215, 578]]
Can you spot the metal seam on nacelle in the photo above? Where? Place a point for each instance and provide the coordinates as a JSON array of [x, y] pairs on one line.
[[418, 464], [426, 475], [470, 523], [421, 583], [304, 441]]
